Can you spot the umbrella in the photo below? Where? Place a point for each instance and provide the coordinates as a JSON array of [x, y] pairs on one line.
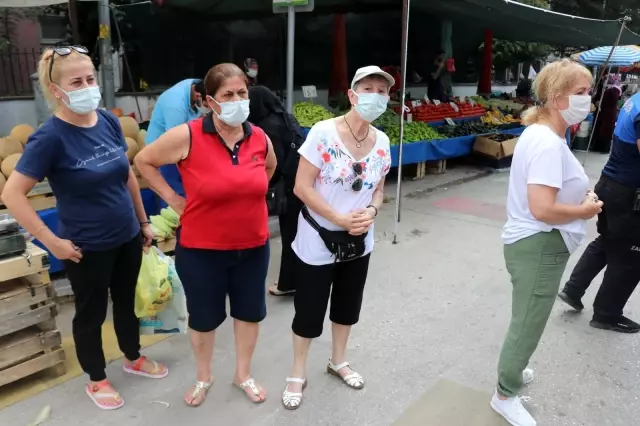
[[622, 56]]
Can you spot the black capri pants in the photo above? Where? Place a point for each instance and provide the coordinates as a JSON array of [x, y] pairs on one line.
[[208, 276], [342, 282]]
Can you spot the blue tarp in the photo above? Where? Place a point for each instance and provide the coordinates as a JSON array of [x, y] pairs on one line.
[[417, 152]]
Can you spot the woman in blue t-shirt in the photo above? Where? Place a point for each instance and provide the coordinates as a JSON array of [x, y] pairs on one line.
[[82, 153]]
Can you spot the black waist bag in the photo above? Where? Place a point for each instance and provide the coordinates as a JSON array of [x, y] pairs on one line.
[[341, 244]]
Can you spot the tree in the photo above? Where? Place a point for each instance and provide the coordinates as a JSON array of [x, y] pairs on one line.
[[507, 53]]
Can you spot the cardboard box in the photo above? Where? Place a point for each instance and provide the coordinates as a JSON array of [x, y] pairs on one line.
[[487, 146]]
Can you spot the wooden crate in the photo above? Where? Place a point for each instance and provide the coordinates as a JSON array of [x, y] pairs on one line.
[[29, 340], [168, 245], [41, 198]]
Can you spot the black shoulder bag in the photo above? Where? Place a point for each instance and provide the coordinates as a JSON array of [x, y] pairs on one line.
[[341, 244]]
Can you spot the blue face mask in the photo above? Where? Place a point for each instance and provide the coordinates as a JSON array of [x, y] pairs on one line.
[[371, 105]]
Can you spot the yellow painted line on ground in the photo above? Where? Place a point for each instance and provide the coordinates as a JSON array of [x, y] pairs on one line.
[[33, 385]]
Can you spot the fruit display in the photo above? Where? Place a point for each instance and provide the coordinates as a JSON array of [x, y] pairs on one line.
[[22, 132], [9, 163], [467, 109], [431, 112], [413, 132], [132, 148], [140, 139], [496, 117], [308, 113], [130, 127], [388, 118], [466, 129], [8, 146]]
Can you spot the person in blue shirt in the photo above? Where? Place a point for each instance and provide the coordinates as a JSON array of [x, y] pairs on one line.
[[81, 151], [177, 105], [618, 245]]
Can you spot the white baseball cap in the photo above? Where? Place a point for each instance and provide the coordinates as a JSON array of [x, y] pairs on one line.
[[369, 71]]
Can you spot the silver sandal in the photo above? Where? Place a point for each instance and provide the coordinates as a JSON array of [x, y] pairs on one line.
[[292, 400], [251, 384], [199, 388], [354, 380]]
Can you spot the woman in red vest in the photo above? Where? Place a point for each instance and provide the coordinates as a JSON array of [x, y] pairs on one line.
[[223, 248]]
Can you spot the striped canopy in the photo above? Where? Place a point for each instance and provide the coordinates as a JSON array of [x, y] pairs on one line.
[[623, 56]]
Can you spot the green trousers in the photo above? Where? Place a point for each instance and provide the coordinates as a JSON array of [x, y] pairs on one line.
[[536, 265]]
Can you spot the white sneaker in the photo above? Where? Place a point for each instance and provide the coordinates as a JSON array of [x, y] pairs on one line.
[[527, 376], [512, 411]]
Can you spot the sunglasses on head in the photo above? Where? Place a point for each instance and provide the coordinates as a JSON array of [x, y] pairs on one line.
[[358, 183], [65, 51]]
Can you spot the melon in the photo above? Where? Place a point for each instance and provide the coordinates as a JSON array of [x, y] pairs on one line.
[[130, 127], [141, 137], [132, 149], [10, 146], [22, 132], [3, 180], [9, 163]]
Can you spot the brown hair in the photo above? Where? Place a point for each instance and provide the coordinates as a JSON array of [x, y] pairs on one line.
[[218, 74], [44, 66], [554, 80]]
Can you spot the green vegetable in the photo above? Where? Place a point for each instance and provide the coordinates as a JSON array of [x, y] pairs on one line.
[[413, 132], [309, 114], [162, 225], [170, 216], [388, 118]]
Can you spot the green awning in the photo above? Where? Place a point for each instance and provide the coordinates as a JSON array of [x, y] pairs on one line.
[[508, 19]]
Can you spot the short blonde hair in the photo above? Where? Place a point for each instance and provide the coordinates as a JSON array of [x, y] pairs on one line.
[[44, 65], [554, 80]]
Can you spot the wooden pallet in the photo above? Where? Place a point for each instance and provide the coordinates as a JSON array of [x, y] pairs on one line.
[[40, 197], [29, 340]]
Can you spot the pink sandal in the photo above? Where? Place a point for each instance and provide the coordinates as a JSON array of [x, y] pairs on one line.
[[93, 392], [136, 368]]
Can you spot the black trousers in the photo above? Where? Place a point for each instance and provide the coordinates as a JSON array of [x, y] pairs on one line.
[[342, 283], [288, 230], [617, 247], [97, 274]]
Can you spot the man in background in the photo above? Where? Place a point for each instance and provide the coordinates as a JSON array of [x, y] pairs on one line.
[[251, 69], [177, 105], [435, 88]]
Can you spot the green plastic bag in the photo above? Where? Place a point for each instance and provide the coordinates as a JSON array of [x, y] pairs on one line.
[[153, 289]]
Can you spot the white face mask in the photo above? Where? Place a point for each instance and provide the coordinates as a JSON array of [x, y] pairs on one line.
[[233, 113], [579, 109], [83, 101], [371, 105], [203, 109], [252, 73]]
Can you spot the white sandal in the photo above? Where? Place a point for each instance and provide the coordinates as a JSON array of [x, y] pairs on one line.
[[199, 388], [354, 380], [292, 400]]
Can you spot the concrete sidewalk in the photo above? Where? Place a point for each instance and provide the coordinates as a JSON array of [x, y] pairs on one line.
[[436, 309]]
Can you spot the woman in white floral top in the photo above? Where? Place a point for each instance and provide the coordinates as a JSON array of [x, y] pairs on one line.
[[340, 180]]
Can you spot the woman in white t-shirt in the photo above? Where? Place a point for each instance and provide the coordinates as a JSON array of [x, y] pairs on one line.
[[340, 179], [547, 206]]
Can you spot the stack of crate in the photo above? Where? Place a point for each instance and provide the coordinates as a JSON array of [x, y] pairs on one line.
[[29, 339]]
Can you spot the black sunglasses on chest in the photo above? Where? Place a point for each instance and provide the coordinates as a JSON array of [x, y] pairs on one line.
[[65, 51], [358, 183]]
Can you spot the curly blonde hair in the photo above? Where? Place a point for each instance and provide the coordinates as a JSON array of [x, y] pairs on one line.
[[554, 80]]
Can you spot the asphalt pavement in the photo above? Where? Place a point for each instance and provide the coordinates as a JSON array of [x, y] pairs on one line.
[[436, 309]]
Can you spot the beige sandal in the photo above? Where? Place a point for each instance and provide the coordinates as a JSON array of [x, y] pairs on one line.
[[200, 388], [292, 400], [354, 380], [251, 384]]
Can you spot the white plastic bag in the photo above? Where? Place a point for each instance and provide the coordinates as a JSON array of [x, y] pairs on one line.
[[173, 319]]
